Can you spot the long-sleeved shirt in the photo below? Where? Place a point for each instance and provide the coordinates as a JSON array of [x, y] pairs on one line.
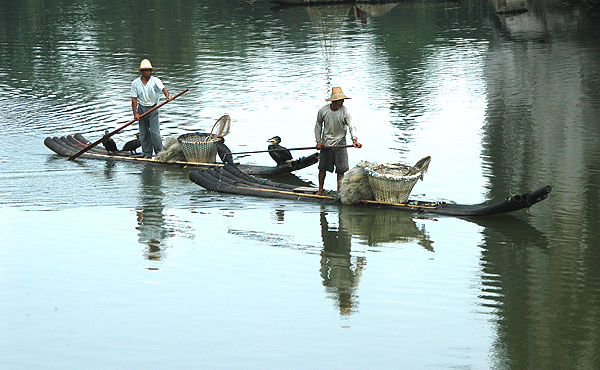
[[332, 125]]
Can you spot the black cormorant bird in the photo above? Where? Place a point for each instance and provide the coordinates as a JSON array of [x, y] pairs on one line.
[[109, 144], [281, 155], [223, 151], [132, 145]]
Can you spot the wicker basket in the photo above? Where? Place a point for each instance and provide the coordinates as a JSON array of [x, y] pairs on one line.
[[199, 147], [393, 182]]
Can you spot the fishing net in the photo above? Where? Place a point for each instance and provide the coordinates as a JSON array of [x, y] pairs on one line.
[[198, 147], [171, 152], [327, 22], [221, 127], [393, 182], [355, 184]]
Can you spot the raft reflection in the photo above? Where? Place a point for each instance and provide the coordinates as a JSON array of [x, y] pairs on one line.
[[341, 269]]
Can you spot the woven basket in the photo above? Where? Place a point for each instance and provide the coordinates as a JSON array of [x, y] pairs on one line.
[[199, 147], [393, 182]]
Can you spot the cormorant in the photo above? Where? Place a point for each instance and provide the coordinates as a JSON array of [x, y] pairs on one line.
[[109, 144], [281, 155], [132, 145], [223, 151]]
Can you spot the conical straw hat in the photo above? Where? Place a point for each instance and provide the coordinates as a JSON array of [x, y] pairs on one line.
[[145, 64], [337, 94]]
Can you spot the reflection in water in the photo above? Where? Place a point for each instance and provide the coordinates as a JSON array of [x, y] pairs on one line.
[[364, 10], [512, 261], [545, 287], [511, 6], [154, 224], [150, 217], [517, 99], [385, 225], [327, 22], [279, 215], [340, 272], [109, 169], [544, 293]]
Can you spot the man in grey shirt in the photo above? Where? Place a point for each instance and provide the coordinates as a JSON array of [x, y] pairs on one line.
[[333, 122]]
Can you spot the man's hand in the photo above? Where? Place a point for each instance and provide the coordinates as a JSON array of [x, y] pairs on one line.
[[320, 146], [136, 116], [356, 143]]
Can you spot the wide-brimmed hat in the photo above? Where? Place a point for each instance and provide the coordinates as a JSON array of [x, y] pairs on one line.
[[337, 94], [145, 64]]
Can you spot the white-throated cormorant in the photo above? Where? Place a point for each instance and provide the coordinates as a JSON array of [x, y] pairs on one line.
[[279, 153]]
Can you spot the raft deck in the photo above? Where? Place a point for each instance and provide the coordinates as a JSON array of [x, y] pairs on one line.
[[228, 179], [66, 146]]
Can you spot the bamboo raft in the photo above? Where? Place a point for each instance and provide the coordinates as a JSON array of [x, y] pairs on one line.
[[229, 179], [66, 146]]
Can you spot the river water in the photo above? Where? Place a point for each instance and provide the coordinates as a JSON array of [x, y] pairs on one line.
[[109, 265]]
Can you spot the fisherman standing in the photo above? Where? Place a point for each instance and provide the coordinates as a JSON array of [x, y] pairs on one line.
[[145, 91], [331, 128]]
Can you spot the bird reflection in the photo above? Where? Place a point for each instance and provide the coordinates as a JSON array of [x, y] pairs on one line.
[[109, 168], [340, 272], [279, 215]]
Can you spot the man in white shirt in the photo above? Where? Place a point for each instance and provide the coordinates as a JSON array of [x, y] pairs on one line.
[[145, 91], [333, 122]]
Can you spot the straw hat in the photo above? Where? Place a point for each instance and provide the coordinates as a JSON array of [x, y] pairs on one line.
[[337, 94], [145, 64]]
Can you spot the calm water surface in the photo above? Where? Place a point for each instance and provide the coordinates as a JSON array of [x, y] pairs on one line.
[[115, 266]]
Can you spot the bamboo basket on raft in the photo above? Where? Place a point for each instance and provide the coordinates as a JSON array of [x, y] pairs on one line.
[[393, 182], [199, 147]]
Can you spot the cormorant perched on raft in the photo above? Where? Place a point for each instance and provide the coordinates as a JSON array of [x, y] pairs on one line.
[[281, 155], [132, 145], [223, 151], [109, 144]]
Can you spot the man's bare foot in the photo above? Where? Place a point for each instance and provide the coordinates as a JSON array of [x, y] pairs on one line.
[[321, 192]]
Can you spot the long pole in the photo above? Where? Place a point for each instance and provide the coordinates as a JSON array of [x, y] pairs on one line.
[[303, 148], [103, 138]]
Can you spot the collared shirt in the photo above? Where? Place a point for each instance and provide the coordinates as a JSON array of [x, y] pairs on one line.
[[332, 125], [148, 94]]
